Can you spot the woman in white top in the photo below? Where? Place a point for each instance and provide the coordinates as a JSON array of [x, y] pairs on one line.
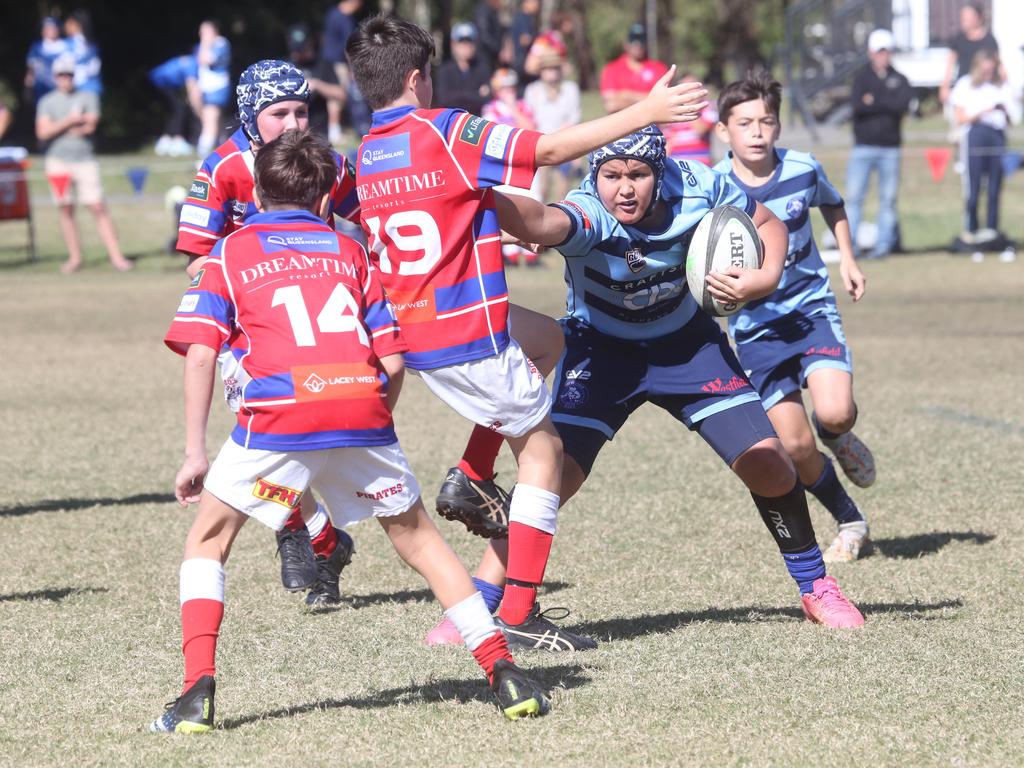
[[982, 102]]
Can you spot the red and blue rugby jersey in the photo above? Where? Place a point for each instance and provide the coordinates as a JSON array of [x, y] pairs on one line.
[[423, 177], [219, 199], [303, 310]]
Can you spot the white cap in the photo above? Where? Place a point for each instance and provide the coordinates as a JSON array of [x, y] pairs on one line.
[[880, 40], [63, 64]]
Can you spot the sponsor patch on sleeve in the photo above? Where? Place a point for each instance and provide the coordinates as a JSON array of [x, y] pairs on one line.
[[497, 141], [194, 214], [189, 302], [197, 279], [473, 131], [200, 190], [578, 210]]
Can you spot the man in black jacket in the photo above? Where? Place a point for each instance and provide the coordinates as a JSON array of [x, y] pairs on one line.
[[464, 81], [881, 97]]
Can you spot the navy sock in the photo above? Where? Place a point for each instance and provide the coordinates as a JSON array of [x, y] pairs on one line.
[[805, 567], [830, 492], [492, 593]]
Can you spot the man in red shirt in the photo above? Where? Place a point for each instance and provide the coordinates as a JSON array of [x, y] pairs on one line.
[[628, 79], [322, 351]]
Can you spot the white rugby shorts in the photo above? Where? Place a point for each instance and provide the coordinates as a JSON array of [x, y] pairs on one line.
[[504, 392], [354, 483]]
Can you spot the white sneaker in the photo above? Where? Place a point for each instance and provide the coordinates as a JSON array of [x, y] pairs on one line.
[[852, 541], [163, 146], [854, 457], [180, 148], [1008, 255], [977, 257]]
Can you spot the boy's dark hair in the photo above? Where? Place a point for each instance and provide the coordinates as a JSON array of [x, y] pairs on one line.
[[382, 51], [756, 85], [295, 170]]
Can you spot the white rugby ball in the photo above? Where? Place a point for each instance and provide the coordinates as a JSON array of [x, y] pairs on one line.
[[725, 237]]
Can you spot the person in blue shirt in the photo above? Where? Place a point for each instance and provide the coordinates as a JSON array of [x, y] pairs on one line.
[[39, 61], [213, 65], [793, 339], [635, 334], [78, 32], [172, 78]]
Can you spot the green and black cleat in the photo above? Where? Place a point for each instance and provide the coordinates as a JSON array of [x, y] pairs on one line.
[[518, 694], [192, 712]]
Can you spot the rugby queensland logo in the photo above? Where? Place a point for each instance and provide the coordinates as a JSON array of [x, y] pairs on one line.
[[386, 154]]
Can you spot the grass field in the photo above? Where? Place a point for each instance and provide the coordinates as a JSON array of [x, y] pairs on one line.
[[705, 659]]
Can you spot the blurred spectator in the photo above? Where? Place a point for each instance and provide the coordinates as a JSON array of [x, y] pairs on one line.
[[42, 54], [213, 62], [319, 73], [555, 104], [506, 108], [982, 103], [691, 141], [880, 98], [628, 79], [78, 31], [172, 79], [463, 82], [974, 36], [5, 118], [544, 46], [339, 24], [66, 121], [490, 33], [523, 32]]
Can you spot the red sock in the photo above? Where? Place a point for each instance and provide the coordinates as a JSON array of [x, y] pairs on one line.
[[295, 522], [528, 551], [489, 651], [325, 542], [481, 451], [200, 626]]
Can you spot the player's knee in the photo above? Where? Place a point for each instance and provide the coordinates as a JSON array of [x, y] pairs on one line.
[[836, 416], [800, 445], [766, 469]]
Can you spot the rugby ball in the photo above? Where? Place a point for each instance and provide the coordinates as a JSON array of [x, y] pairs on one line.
[[725, 237]]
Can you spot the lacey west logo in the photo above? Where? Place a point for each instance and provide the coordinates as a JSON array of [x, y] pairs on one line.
[[336, 381]]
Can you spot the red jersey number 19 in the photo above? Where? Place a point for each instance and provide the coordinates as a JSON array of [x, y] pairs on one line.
[[428, 240]]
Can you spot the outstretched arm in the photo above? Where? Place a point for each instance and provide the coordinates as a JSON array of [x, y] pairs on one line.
[[664, 104], [532, 221]]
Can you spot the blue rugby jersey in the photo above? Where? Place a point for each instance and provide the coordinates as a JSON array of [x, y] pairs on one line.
[[630, 283], [798, 184]]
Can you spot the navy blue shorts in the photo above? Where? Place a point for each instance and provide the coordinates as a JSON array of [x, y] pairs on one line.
[[692, 374], [778, 357]]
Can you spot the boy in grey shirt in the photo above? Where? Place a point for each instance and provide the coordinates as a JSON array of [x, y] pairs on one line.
[[66, 121]]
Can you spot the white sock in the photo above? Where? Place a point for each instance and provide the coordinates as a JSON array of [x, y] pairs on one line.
[[201, 578], [534, 507], [316, 523], [473, 620]]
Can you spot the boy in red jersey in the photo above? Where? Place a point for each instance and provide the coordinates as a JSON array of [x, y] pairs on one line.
[[424, 179], [323, 352], [273, 97]]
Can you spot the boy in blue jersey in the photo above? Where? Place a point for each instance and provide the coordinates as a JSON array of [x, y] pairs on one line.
[[635, 334], [794, 338]]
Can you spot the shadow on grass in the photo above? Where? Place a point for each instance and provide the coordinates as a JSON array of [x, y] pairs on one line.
[[653, 624], [425, 595], [449, 689], [53, 595], [64, 505], [921, 544]]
